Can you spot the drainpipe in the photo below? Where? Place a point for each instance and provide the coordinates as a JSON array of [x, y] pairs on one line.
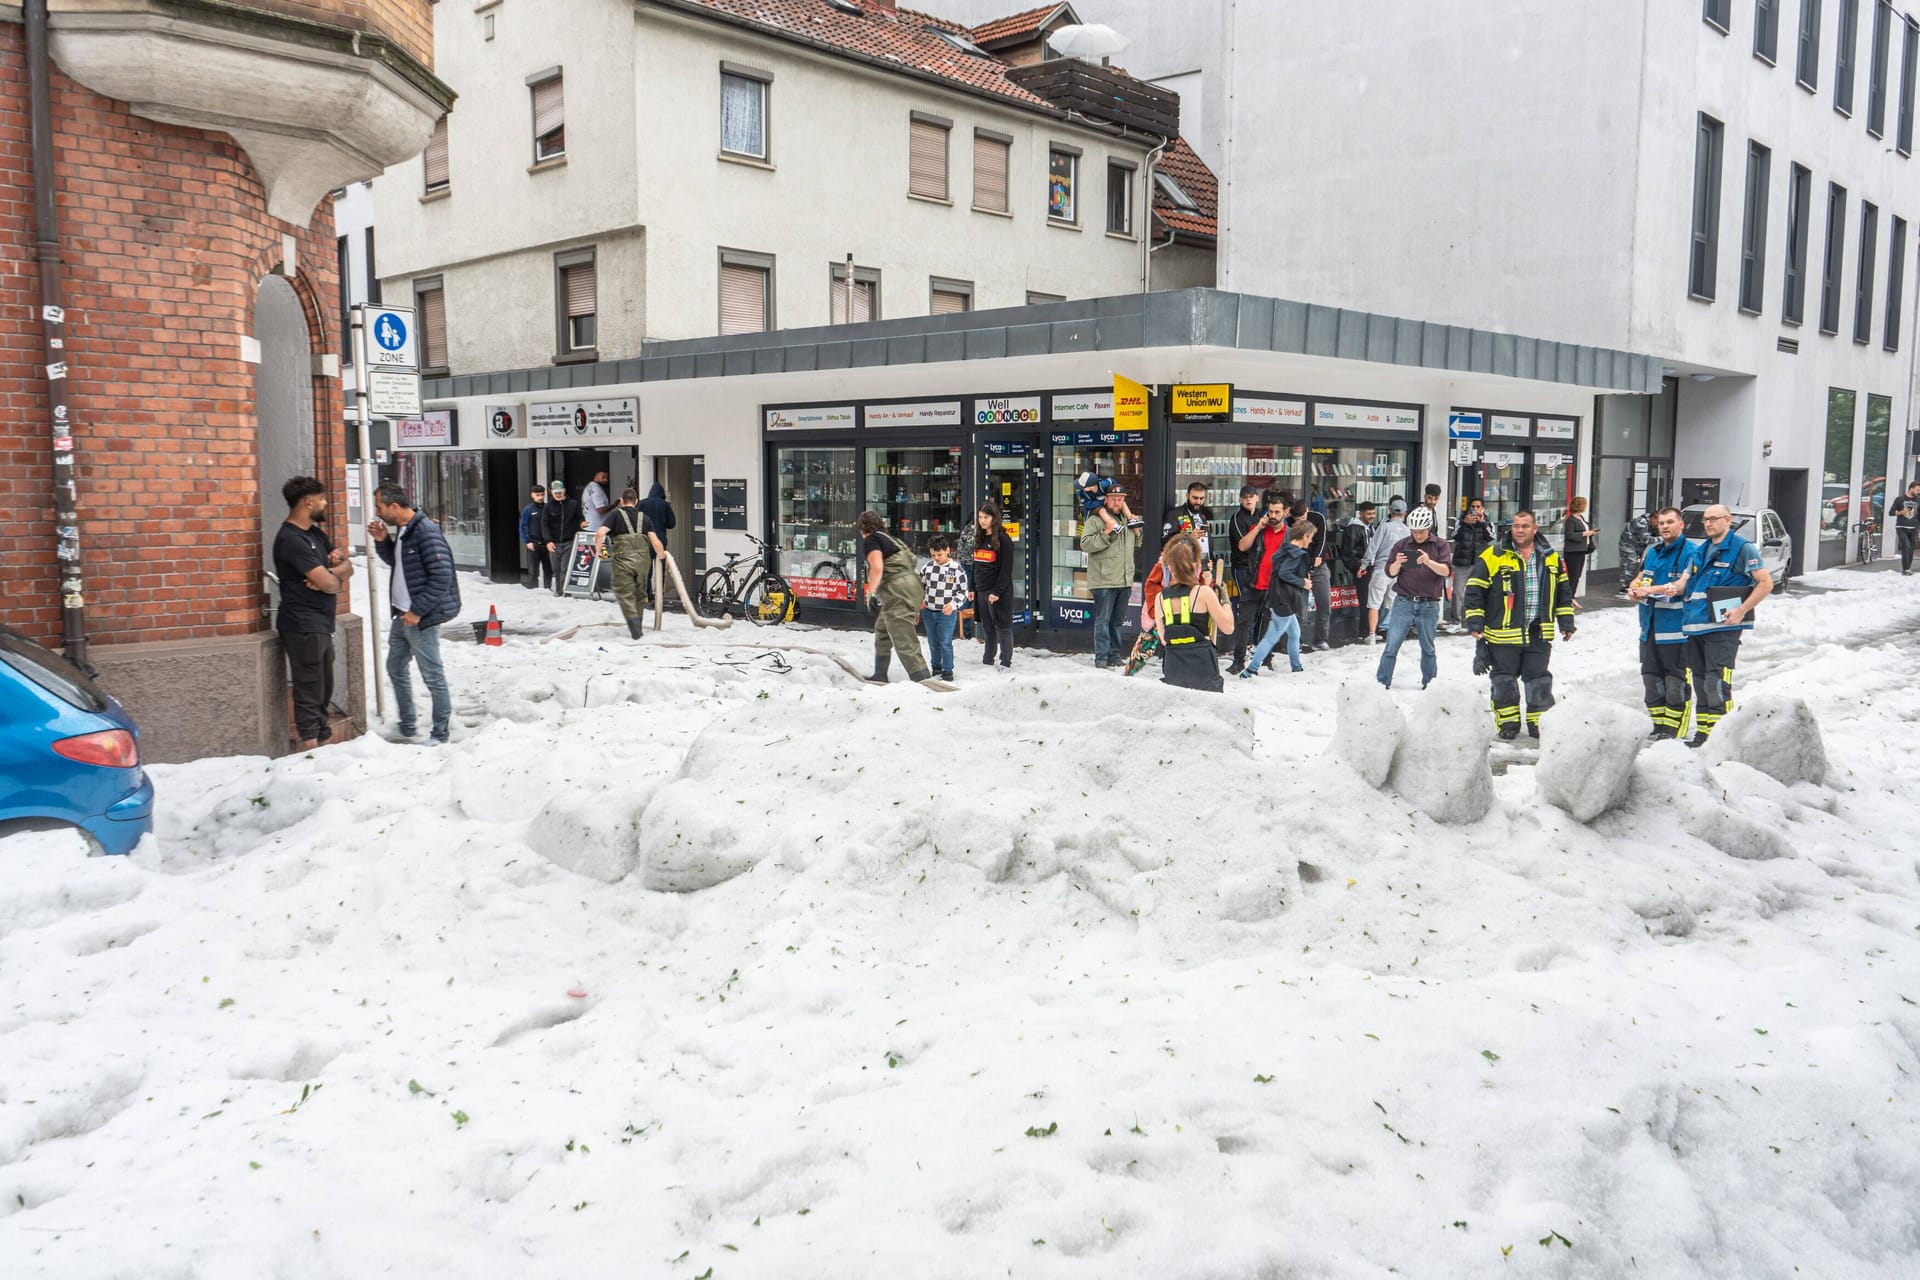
[[53, 320], [1146, 219]]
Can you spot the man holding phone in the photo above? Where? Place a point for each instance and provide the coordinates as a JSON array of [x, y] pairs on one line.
[[423, 594], [1420, 567]]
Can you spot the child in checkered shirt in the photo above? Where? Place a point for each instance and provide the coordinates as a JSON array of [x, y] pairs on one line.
[[946, 582]]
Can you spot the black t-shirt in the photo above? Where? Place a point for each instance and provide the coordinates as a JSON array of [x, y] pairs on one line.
[[885, 543], [297, 551], [625, 521]]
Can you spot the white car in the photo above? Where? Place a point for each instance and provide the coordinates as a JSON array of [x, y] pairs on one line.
[[1763, 528]]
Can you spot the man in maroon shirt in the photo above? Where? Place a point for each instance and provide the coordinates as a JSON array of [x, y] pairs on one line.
[[1420, 566]]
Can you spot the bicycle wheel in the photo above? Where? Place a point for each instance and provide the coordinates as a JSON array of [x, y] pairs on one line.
[[715, 593], [770, 600]]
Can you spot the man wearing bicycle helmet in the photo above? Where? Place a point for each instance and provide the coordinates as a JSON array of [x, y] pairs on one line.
[[1420, 566]]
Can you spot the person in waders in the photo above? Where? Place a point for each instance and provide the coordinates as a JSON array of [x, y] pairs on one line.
[[635, 544], [895, 595], [1188, 657]]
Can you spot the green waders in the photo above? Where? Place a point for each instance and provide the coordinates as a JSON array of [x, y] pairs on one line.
[[632, 559], [901, 597]]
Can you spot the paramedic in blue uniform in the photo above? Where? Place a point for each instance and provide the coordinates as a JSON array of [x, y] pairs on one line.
[[1660, 588], [1725, 560]]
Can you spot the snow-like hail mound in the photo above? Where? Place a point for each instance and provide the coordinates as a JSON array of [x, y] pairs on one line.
[[696, 957]]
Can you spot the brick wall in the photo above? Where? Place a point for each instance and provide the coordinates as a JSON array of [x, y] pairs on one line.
[[166, 239], [408, 23]]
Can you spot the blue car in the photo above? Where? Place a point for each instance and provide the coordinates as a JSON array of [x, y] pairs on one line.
[[69, 755]]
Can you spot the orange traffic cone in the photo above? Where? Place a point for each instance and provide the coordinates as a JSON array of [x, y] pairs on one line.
[[493, 627]]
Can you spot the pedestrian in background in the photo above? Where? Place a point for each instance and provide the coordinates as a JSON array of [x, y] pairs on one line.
[[634, 544], [312, 574], [1243, 537], [422, 594], [990, 570], [1289, 578], [1385, 538], [894, 595], [658, 509], [1319, 615], [596, 505], [1906, 525], [1110, 536], [533, 538], [944, 582], [1635, 537], [560, 520], [1471, 536], [1577, 544]]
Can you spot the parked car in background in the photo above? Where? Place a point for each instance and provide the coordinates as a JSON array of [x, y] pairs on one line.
[[1763, 528], [1833, 511], [69, 754]]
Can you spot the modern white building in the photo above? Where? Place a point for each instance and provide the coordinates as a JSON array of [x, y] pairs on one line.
[[1727, 185]]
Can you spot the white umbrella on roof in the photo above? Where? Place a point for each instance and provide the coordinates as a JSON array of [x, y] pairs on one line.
[[1087, 40]]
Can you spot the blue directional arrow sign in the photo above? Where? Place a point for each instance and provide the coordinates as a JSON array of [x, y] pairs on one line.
[[390, 338]]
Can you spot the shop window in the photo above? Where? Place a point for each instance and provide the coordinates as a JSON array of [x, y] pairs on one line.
[[450, 487], [918, 492], [435, 158], [1552, 490], [549, 116], [1836, 474], [1224, 466], [430, 315], [1843, 59], [1126, 466], [950, 297], [743, 111], [1806, 66], [1119, 198], [1354, 474], [1063, 172], [990, 171], [862, 303], [1896, 284], [1706, 208], [1766, 29], [816, 507], [1863, 278], [927, 156], [746, 292], [1836, 250], [1878, 428], [575, 287], [1799, 199]]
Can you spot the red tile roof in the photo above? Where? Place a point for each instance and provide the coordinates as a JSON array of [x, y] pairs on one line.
[[1191, 173], [1017, 25], [899, 36]]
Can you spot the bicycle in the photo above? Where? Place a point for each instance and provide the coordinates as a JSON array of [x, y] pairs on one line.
[[765, 598], [1868, 549]]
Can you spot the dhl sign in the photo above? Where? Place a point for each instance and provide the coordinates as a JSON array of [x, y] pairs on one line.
[[1201, 402], [1129, 404]]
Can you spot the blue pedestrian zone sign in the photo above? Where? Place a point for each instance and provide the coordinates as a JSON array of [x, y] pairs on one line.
[[390, 338], [1463, 426]]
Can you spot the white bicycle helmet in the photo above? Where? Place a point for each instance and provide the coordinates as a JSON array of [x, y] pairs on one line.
[[1419, 518]]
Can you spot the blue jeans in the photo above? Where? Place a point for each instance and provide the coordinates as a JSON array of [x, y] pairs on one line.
[[940, 637], [1279, 627], [1109, 609], [1421, 617], [407, 644]]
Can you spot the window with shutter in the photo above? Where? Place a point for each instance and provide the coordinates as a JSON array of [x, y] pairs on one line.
[[989, 174], [432, 305], [866, 295], [951, 299], [927, 160], [549, 119], [579, 303], [745, 297], [436, 157]]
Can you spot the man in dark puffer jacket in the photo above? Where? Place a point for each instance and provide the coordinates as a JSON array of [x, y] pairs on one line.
[[423, 594]]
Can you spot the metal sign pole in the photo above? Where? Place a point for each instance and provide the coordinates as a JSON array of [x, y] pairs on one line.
[[363, 417]]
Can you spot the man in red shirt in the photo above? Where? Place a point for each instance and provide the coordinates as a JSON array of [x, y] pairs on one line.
[[1261, 542]]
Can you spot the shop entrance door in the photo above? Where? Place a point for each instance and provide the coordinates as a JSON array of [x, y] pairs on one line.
[[1503, 474], [1013, 473], [1552, 486]]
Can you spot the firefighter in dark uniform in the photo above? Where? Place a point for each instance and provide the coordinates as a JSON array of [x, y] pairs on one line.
[[635, 544], [1516, 593]]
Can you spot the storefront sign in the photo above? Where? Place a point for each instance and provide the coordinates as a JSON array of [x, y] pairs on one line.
[[1201, 402], [1091, 437], [939, 413], [822, 588], [584, 418], [1007, 411], [505, 422], [729, 509], [1129, 404], [432, 429], [1549, 459], [818, 419], [1512, 428], [1344, 597], [1366, 417], [1506, 459], [1555, 428], [1258, 411], [1088, 406], [1465, 426], [1071, 615]]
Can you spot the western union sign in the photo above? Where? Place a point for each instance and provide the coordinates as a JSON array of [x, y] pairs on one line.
[[1201, 402]]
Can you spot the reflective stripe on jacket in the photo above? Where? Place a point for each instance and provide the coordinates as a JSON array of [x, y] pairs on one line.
[[1497, 591]]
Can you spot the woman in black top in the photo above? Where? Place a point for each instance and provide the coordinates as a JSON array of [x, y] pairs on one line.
[[991, 568], [1188, 658], [1578, 545]]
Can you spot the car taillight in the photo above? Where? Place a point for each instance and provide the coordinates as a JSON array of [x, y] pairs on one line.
[[111, 748]]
